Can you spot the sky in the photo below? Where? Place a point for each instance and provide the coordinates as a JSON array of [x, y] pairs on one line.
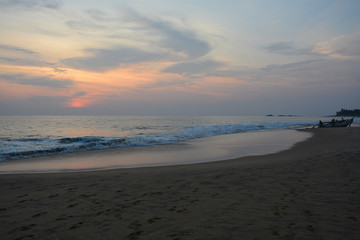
[[179, 57]]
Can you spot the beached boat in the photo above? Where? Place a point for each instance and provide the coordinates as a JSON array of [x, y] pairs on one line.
[[336, 123]]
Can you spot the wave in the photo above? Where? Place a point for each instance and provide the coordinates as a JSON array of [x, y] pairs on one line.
[[35, 147]]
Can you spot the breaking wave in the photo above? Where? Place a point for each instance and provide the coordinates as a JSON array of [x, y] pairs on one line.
[[35, 147]]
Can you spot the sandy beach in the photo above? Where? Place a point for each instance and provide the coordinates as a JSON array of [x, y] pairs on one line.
[[311, 191]]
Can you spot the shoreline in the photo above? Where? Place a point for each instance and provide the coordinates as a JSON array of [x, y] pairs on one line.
[[310, 191], [202, 150]]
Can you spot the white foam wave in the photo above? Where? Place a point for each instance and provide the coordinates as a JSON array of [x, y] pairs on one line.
[[34, 147]]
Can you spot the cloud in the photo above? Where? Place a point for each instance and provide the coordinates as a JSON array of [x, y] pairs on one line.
[[37, 81], [20, 56], [194, 67], [324, 73], [33, 105], [181, 40], [79, 94], [289, 48], [346, 46], [98, 15], [52, 4], [84, 26], [106, 59], [166, 83], [167, 42], [7, 59], [16, 49], [24, 61], [59, 70]]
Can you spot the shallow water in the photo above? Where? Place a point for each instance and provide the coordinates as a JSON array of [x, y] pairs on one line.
[[194, 151], [33, 136]]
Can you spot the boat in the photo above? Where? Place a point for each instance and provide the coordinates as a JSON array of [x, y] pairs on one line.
[[336, 123]]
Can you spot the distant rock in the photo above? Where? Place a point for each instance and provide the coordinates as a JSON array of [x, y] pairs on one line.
[[281, 115]]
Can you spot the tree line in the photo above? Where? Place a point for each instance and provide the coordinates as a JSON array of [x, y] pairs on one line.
[[348, 112]]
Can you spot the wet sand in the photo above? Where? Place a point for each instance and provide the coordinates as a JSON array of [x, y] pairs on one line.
[[200, 150], [311, 191]]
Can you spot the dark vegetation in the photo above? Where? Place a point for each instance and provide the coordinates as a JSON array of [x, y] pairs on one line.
[[348, 113]]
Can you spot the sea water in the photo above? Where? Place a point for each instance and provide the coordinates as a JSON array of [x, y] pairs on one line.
[[24, 137]]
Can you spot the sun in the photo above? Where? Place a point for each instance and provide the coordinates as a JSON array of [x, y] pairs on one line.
[[77, 103]]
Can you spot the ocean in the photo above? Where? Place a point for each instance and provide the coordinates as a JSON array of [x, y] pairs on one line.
[[24, 137]]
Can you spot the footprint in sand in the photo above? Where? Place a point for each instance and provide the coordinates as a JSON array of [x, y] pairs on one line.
[[39, 214], [275, 230], [291, 225], [87, 195], [53, 195], [135, 225], [135, 235], [308, 213], [174, 208], [353, 218], [21, 196], [26, 200], [154, 219], [152, 193], [73, 205], [310, 228], [23, 228], [64, 218], [181, 210], [76, 225]]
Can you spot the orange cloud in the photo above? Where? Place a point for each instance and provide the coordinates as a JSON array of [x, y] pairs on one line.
[[342, 47]]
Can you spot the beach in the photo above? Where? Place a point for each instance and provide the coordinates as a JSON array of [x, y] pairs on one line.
[[310, 191], [208, 149]]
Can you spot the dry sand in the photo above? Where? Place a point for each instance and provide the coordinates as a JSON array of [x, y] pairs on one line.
[[311, 191]]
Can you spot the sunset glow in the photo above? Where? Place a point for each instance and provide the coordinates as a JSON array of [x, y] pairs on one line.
[[77, 103], [126, 57]]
